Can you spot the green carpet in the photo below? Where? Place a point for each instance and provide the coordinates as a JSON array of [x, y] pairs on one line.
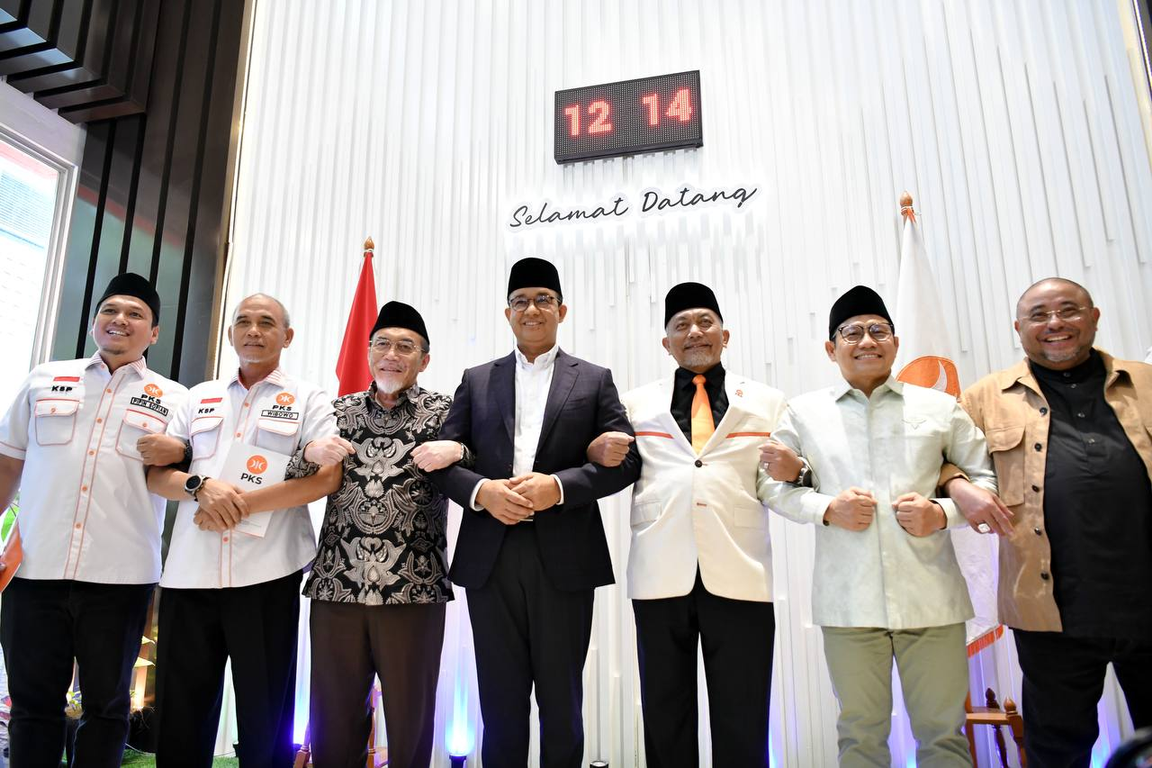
[[145, 760]]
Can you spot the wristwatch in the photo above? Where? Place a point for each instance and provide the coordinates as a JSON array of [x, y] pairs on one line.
[[193, 485]]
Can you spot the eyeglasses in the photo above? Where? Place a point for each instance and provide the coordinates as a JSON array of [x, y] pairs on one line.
[[543, 301], [1067, 314], [402, 347], [854, 334]]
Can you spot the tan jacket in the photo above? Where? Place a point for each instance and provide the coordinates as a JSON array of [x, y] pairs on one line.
[[1011, 410]]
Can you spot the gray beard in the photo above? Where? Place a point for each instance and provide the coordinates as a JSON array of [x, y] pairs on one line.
[[390, 385], [1064, 356], [695, 358]]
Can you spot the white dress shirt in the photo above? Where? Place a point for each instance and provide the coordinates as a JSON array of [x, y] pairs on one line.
[[85, 510], [533, 380], [278, 414], [891, 443]]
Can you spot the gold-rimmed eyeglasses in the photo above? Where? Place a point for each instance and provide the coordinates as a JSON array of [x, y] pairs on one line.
[[402, 347], [1067, 314]]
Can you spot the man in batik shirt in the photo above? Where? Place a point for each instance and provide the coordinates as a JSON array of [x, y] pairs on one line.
[[379, 584]]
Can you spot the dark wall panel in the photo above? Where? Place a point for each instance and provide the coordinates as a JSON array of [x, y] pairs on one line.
[[89, 59], [154, 187]]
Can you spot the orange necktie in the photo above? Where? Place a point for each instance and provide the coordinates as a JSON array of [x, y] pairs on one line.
[[702, 424]]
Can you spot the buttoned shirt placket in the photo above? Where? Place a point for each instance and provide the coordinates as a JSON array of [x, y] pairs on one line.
[[110, 384], [241, 426]]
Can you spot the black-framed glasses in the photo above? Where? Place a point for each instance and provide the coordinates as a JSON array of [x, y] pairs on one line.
[[542, 302], [1067, 314], [854, 333], [402, 347]]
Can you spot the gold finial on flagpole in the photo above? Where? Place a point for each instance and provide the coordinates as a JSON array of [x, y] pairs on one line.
[[906, 209], [369, 245]]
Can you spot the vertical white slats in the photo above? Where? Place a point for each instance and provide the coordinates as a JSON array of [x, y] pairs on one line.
[[1012, 124]]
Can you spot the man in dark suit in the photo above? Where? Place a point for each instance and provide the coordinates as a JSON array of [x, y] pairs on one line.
[[531, 548]]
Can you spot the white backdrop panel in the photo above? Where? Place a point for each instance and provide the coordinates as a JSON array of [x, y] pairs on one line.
[[424, 124]]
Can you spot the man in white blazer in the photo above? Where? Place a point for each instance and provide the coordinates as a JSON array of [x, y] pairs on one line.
[[700, 569]]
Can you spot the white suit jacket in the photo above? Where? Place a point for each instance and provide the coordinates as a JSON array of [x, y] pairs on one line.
[[690, 510]]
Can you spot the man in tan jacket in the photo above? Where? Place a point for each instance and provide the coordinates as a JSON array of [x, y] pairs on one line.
[[1069, 433]]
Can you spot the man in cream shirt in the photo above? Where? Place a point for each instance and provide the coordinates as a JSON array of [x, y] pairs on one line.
[[886, 582], [700, 564]]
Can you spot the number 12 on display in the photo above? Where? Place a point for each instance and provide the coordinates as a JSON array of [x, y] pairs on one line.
[[600, 113]]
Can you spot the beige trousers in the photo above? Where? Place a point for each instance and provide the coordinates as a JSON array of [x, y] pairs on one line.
[[933, 665]]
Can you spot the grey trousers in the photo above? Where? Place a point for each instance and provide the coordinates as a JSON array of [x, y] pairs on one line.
[[933, 665]]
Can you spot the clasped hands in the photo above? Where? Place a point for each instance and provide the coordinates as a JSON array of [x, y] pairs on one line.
[[222, 506], [518, 498]]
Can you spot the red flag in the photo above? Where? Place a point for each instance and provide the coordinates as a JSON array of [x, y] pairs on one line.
[[352, 365]]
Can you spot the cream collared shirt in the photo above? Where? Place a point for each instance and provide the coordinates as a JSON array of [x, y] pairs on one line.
[[85, 510], [891, 443]]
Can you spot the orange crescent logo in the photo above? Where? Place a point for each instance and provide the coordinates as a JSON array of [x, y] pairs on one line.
[[285, 398], [153, 391], [932, 372], [257, 464]]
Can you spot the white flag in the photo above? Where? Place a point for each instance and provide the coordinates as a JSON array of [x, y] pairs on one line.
[[925, 358]]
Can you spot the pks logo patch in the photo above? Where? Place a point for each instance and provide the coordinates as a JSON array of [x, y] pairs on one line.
[[153, 391], [255, 466], [285, 398]]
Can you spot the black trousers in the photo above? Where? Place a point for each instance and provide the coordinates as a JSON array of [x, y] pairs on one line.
[[528, 632], [353, 643], [737, 638], [199, 630], [1063, 682], [44, 625]]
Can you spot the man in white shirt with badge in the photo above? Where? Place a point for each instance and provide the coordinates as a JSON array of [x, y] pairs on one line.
[[886, 583], [229, 593], [700, 563], [75, 443]]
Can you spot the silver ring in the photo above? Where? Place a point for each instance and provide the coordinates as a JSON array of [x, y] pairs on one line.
[[984, 528]]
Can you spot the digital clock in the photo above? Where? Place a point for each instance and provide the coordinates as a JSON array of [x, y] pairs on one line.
[[648, 114]]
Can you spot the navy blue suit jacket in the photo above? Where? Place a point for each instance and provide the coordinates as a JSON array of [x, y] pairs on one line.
[[582, 404]]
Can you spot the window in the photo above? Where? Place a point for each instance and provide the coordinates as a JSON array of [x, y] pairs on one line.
[[35, 198]]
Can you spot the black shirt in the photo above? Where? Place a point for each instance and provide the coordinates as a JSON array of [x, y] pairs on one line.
[[684, 390], [384, 536], [1097, 509]]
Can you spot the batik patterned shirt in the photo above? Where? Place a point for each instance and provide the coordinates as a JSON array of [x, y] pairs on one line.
[[384, 539]]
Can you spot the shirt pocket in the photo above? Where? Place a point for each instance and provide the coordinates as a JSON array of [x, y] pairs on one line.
[[1006, 444], [56, 420], [204, 434], [137, 424], [277, 435]]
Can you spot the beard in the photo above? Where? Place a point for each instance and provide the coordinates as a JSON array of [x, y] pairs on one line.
[[1063, 357], [390, 383], [698, 357]]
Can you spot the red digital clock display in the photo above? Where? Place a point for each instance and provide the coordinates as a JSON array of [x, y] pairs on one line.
[[648, 114]]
